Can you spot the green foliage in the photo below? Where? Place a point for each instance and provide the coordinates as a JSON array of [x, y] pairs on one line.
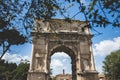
[[25, 11], [12, 36], [20, 73], [11, 71], [51, 71], [112, 66], [6, 69], [9, 37], [17, 20]]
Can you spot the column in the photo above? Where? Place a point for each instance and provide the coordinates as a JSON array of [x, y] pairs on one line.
[[31, 61], [92, 59]]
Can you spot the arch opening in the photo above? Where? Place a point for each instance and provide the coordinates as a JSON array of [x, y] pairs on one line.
[[62, 61], [64, 49]]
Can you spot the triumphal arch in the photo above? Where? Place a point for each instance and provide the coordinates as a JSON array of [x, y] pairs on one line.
[[60, 35]]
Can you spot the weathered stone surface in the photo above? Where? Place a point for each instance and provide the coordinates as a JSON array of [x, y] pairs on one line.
[[72, 38]]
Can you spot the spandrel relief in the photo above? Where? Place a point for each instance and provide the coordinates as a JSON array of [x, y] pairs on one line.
[[39, 62], [85, 64], [41, 26]]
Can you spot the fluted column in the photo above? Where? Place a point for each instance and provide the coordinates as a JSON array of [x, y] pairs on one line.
[[31, 61], [92, 59]]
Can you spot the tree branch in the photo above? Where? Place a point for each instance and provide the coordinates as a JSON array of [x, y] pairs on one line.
[[4, 50]]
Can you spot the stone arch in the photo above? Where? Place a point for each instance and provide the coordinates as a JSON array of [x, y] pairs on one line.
[[69, 51], [69, 39], [63, 48]]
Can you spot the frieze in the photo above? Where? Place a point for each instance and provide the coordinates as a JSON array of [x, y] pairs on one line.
[[59, 25]]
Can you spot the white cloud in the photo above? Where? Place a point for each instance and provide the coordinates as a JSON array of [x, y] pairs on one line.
[[15, 58], [60, 54], [60, 61], [56, 63], [64, 60], [106, 47], [57, 66]]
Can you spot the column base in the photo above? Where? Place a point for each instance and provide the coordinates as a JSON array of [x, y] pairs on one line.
[[37, 76], [91, 75], [88, 75]]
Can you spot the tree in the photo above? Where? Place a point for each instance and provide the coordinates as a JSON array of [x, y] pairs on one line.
[[17, 18], [51, 71], [25, 11], [6, 69], [112, 66], [12, 71], [100, 13], [20, 73], [107, 12], [9, 37], [7, 75]]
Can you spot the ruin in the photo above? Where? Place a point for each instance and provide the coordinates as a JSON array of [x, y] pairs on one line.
[[59, 35], [63, 76]]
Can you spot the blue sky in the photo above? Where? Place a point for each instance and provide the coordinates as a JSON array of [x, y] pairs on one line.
[[103, 44]]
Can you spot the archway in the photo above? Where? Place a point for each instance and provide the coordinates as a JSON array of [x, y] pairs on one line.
[[70, 53], [60, 65], [73, 38]]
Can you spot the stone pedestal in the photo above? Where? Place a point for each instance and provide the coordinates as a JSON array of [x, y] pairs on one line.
[[37, 76], [90, 75]]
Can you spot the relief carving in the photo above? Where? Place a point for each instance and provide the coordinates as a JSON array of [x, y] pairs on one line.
[[58, 25], [41, 25], [39, 62], [85, 64]]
